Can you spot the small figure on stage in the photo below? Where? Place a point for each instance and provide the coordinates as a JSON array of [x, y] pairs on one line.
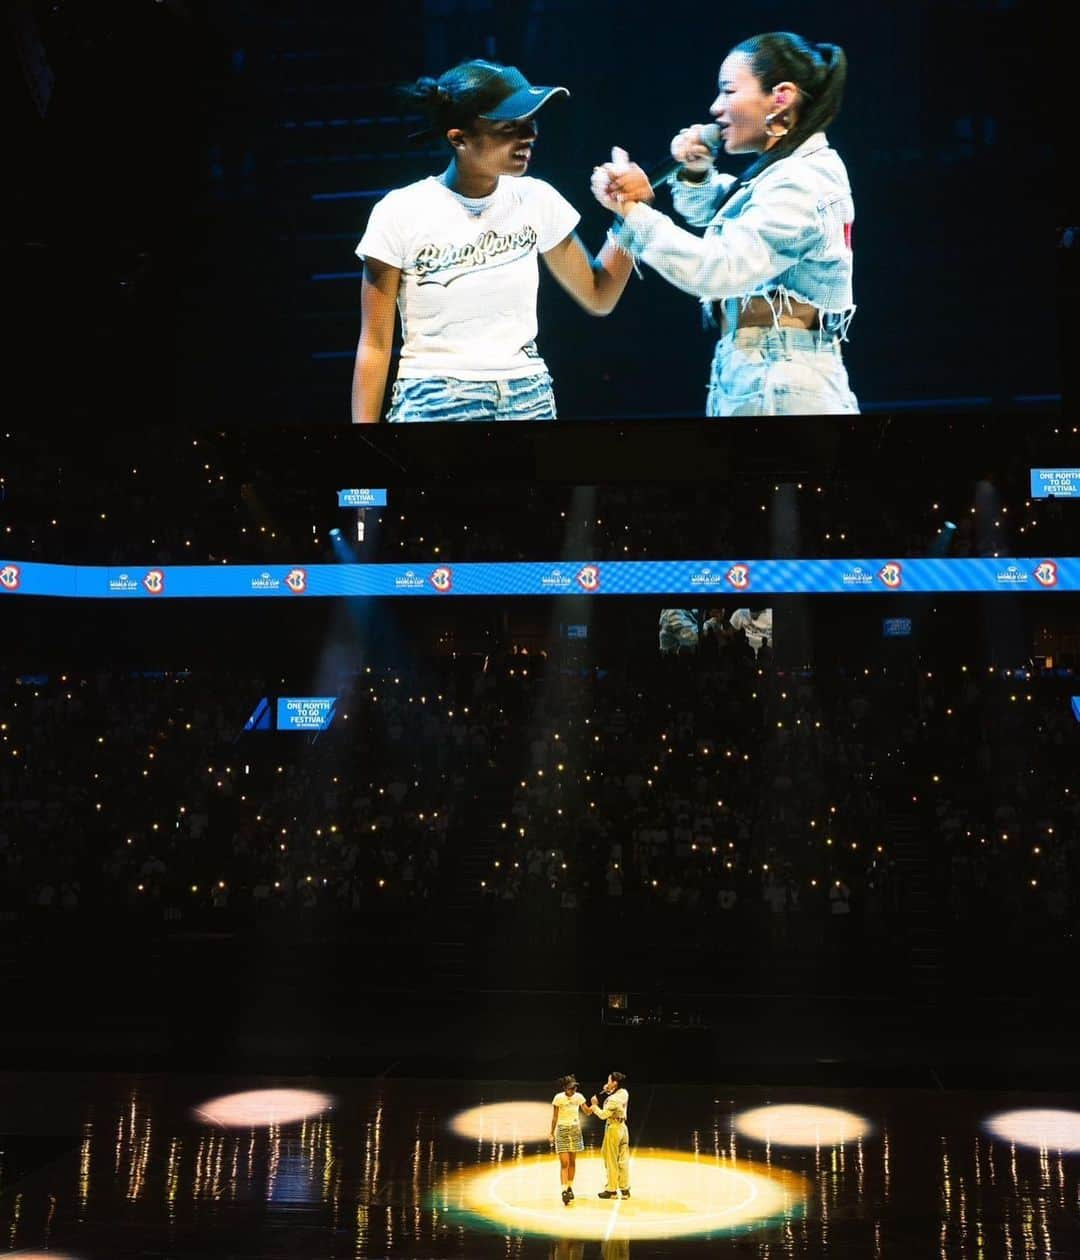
[[566, 1107], [616, 1145]]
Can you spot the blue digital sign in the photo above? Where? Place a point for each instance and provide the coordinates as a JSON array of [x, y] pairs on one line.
[[1055, 483], [305, 713], [361, 498], [896, 627]]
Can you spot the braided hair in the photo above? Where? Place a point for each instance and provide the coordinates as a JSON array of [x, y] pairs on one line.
[[818, 70]]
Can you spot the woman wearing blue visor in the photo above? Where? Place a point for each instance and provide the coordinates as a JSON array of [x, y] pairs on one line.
[[456, 255]]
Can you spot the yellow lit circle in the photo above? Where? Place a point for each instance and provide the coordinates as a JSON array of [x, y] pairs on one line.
[[1046, 1129], [260, 1107], [505, 1123], [673, 1195], [789, 1124]]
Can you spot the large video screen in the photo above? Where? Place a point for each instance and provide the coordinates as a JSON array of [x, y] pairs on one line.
[[795, 211], [856, 248], [747, 294]]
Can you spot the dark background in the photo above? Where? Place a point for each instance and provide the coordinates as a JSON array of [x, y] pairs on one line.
[[179, 171], [101, 708]]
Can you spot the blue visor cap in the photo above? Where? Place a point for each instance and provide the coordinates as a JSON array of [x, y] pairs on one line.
[[515, 96]]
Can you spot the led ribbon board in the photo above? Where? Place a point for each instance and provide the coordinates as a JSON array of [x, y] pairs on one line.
[[745, 580]]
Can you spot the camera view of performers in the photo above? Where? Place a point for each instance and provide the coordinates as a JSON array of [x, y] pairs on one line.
[[457, 254], [774, 268], [686, 629], [230, 267]]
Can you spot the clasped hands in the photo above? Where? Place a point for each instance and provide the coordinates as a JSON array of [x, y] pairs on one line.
[[620, 184]]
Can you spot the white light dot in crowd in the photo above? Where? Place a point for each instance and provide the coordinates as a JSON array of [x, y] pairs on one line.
[[802, 1125], [1043, 1128], [259, 1107], [505, 1122]]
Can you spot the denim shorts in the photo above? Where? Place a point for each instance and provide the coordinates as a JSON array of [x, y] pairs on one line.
[[450, 398], [779, 372]]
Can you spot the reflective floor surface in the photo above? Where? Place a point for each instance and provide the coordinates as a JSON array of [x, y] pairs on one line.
[[171, 1166]]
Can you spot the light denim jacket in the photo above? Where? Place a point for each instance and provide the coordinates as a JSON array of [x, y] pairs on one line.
[[786, 235]]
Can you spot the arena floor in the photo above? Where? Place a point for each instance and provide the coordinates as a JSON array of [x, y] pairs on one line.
[[99, 1165]]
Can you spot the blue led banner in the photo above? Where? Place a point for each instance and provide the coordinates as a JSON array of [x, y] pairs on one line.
[[361, 498], [733, 579], [1056, 483], [305, 713]]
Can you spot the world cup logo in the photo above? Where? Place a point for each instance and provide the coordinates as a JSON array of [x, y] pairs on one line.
[[739, 576], [154, 582], [296, 581], [442, 579], [588, 577], [891, 574], [1046, 573], [9, 577]]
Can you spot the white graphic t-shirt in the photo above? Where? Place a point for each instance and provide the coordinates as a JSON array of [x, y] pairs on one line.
[[568, 1108], [468, 286]]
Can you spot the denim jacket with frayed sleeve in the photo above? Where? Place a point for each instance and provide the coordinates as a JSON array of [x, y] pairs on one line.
[[786, 236]]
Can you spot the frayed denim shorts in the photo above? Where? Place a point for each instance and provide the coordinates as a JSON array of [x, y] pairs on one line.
[[779, 372], [448, 398]]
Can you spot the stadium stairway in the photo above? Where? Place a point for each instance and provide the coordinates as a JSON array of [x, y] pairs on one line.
[[909, 845], [455, 962]]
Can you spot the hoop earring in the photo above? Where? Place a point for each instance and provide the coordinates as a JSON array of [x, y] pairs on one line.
[[775, 132]]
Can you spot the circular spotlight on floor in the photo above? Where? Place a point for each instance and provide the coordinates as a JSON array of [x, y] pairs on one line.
[[796, 1124], [674, 1194], [1042, 1128], [257, 1108], [506, 1123]]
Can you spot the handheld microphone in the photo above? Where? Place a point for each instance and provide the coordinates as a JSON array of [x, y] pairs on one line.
[[710, 137]]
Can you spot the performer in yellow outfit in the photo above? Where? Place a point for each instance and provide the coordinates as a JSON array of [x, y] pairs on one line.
[[616, 1146]]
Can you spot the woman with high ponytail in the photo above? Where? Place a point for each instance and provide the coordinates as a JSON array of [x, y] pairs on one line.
[[456, 256], [773, 271]]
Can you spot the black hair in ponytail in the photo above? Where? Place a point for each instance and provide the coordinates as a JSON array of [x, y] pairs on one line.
[[454, 99], [819, 71]]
